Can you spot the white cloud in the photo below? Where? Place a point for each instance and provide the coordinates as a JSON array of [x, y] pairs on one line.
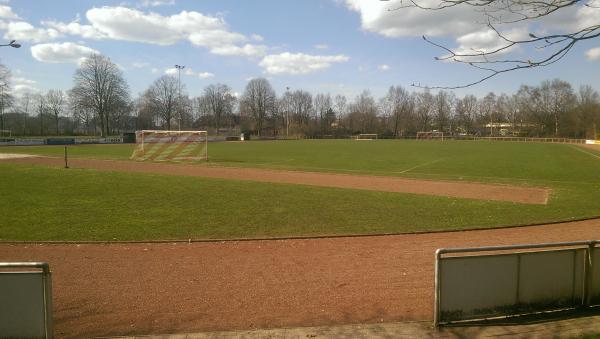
[[171, 71], [189, 72], [22, 85], [593, 54], [156, 3], [139, 64], [66, 52], [384, 67], [299, 63], [155, 70], [24, 31], [123, 23], [75, 28], [384, 17], [6, 12], [257, 37], [205, 75], [486, 41], [321, 46], [248, 50]]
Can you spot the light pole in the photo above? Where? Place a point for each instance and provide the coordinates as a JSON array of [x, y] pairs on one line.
[[179, 68], [13, 44]]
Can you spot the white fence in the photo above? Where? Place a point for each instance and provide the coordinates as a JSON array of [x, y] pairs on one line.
[[497, 281]]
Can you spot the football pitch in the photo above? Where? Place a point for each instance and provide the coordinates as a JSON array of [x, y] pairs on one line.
[[50, 203]]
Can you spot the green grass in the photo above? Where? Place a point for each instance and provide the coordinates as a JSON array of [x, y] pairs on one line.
[[41, 203]]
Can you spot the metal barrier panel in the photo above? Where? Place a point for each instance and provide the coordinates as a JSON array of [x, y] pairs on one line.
[[477, 286], [486, 285], [25, 300], [551, 279]]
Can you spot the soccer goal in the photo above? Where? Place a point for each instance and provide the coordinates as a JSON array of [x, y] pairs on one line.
[[171, 145], [366, 136], [430, 135]]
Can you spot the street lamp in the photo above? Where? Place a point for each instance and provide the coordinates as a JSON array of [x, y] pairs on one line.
[[179, 68], [13, 44]]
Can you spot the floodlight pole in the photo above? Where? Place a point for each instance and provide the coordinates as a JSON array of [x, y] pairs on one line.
[[179, 68]]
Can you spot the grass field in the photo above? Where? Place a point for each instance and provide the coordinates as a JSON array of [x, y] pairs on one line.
[[55, 204]]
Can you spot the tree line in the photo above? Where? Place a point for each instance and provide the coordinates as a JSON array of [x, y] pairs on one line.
[[100, 103]]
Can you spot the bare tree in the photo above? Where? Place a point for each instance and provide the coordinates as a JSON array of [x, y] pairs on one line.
[[41, 108], [259, 100], [322, 105], [55, 100], [100, 86], [588, 107], [424, 108], [466, 110], [400, 103], [162, 98], [550, 46], [219, 102], [6, 99]]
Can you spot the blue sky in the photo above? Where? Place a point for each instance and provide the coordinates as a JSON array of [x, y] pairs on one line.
[[334, 46]]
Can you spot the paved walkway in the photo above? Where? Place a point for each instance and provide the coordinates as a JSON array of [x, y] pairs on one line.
[[565, 328]]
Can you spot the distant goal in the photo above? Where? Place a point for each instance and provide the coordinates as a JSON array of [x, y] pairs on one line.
[[430, 136], [171, 145], [365, 136]]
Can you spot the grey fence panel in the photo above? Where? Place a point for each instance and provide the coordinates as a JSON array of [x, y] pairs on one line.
[[551, 279], [466, 285], [25, 300], [488, 284]]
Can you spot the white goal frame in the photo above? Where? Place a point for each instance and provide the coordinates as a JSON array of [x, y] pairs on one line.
[[366, 136], [161, 138], [430, 135]]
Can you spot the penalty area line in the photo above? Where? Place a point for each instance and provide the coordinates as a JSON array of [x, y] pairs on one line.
[[586, 152], [421, 165]]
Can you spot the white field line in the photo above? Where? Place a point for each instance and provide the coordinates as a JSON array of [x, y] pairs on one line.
[[586, 152], [421, 165]]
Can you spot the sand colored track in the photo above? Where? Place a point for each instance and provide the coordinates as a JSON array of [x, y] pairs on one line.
[[117, 289], [525, 195]]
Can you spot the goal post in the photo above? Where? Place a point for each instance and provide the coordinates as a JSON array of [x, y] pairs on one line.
[[155, 145], [366, 136], [434, 135]]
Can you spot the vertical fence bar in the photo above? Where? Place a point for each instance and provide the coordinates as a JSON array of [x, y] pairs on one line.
[[437, 287], [589, 274]]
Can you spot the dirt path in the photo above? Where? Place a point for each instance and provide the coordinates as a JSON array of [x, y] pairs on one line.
[[117, 289], [525, 195]]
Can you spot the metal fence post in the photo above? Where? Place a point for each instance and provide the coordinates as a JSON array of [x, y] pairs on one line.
[[589, 273], [437, 287]]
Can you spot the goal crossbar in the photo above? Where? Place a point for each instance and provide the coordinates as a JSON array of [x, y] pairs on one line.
[[366, 136], [160, 145], [430, 136]]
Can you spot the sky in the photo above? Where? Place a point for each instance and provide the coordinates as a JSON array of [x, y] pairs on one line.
[[323, 46]]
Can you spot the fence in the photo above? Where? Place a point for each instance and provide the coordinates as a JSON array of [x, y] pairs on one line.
[[26, 300], [502, 282]]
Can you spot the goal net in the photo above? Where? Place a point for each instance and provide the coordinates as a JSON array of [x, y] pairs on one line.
[[366, 136], [171, 145], [430, 136]]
